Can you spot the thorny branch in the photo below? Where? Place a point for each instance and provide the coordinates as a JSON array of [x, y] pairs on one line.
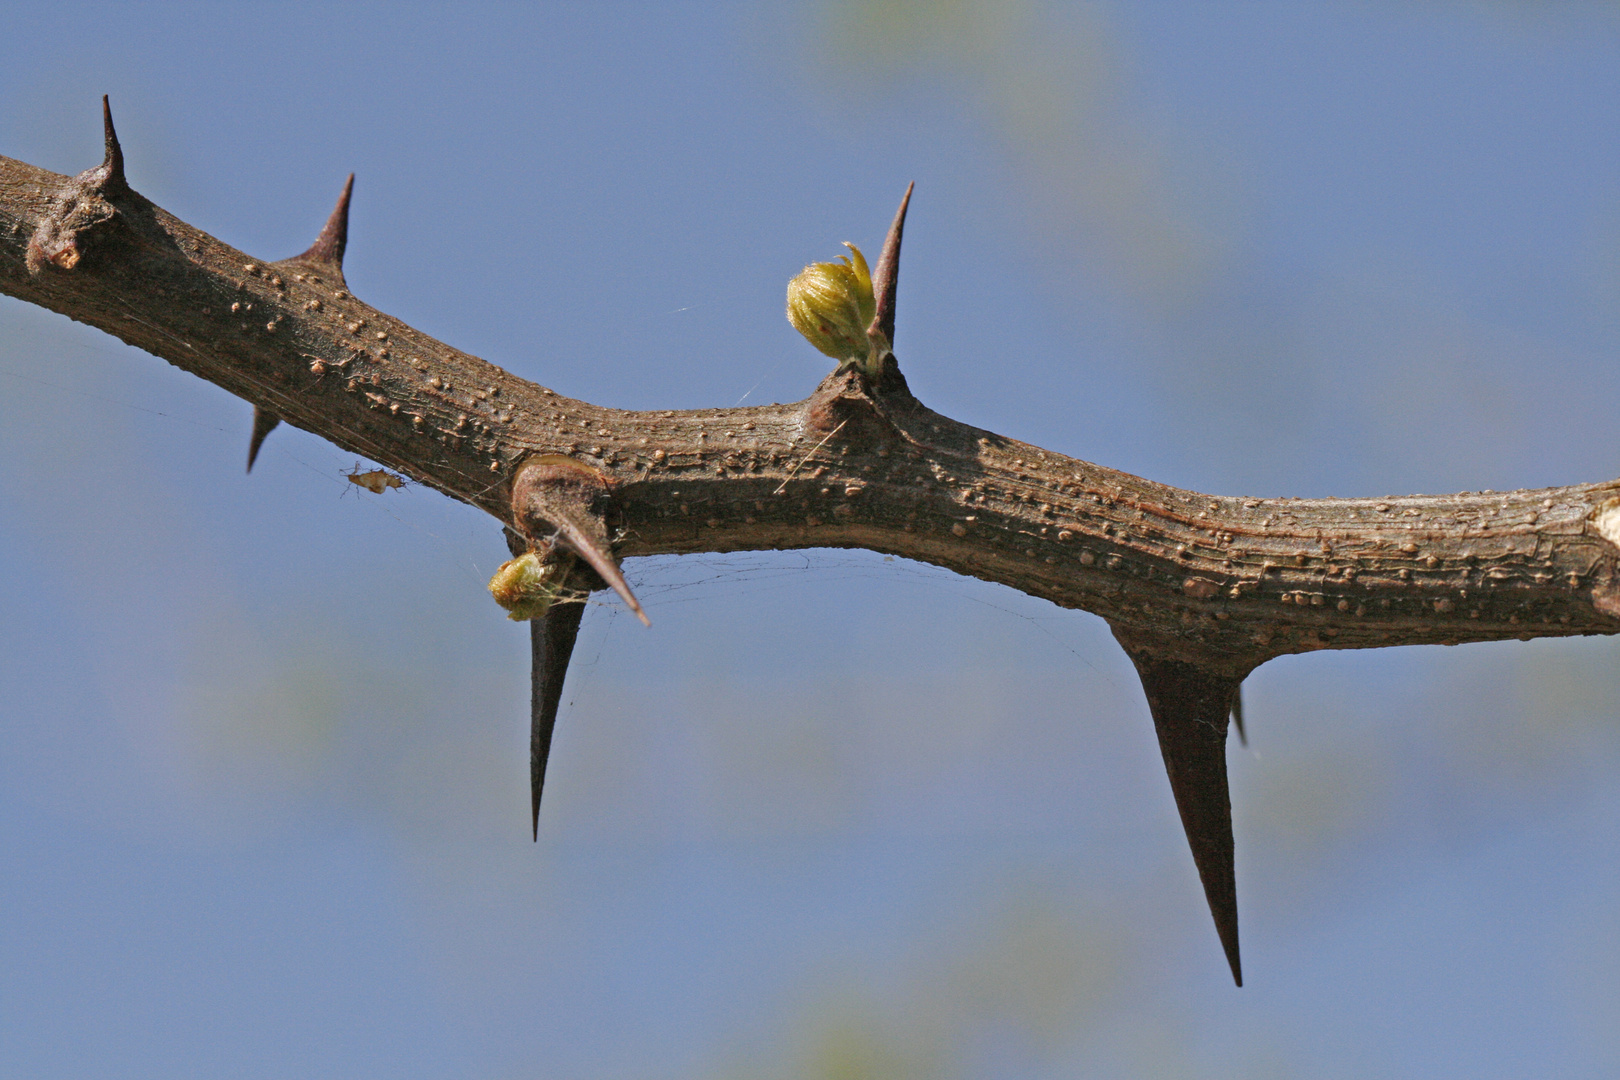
[[1199, 589]]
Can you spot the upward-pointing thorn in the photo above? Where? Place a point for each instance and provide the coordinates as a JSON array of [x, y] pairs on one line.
[[1190, 706], [110, 175], [886, 277], [263, 424], [328, 247]]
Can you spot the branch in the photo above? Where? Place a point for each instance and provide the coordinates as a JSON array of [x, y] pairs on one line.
[[1199, 589]]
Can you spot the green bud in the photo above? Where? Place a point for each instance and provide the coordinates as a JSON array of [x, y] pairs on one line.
[[528, 585], [832, 305]]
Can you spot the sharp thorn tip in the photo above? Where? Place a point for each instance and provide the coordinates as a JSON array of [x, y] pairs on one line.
[[603, 564], [330, 245], [112, 162], [551, 643], [1191, 707], [885, 279], [263, 424]]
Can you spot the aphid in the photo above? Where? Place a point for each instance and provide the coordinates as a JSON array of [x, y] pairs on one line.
[[375, 481]]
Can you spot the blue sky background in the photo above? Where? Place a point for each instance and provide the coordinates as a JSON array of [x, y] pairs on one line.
[[263, 739]]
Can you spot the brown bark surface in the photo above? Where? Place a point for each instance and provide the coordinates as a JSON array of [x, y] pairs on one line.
[[1199, 589], [1225, 580]]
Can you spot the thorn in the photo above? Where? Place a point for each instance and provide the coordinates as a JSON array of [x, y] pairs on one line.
[[1237, 715], [551, 644], [558, 492], [329, 246], [886, 277], [263, 424], [110, 176], [1190, 706], [587, 548]]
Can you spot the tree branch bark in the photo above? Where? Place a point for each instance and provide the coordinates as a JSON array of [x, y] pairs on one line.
[[856, 464], [1199, 589]]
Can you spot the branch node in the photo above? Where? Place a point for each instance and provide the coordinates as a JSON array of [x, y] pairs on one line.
[[82, 206], [557, 494]]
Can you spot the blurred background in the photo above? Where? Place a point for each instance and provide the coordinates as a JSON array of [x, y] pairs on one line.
[[263, 740]]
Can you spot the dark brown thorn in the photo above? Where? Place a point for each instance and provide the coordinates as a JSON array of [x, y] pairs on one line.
[[581, 544], [110, 176], [1237, 715], [554, 492], [551, 644], [329, 246], [886, 277], [1190, 706], [263, 424]]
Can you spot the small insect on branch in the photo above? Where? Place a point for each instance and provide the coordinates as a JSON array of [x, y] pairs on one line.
[[375, 481]]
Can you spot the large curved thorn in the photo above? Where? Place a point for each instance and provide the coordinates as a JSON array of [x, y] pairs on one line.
[[554, 492], [587, 548], [1191, 706]]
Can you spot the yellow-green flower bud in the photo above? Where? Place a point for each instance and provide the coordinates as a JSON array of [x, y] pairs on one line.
[[528, 585], [832, 305]]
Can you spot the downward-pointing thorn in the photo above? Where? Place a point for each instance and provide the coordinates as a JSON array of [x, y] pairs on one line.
[[600, 561], [329, 246], [1237, 715], [554, 492], [263, 424], [886, 277], [551, 644], [1190, 706], [111, 173]]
